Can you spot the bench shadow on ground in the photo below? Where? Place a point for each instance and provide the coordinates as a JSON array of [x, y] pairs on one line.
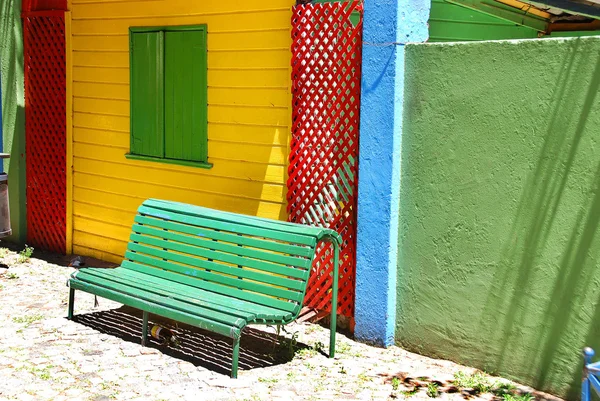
[[258, 348]]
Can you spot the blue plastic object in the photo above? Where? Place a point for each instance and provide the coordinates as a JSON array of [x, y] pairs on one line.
[[591, 372]]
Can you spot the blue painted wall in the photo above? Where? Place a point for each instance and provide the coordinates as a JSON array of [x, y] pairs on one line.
[[388, 25]]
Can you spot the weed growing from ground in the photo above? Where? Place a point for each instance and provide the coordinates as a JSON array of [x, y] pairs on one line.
[[4, 252], [12, 276], [477, 381], [504, 388], [522, 397], [25, 254], [433, 390], [27, 319], [410, 393], [395, 383]]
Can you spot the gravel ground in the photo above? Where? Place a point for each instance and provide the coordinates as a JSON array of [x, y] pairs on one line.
[[44, 356]]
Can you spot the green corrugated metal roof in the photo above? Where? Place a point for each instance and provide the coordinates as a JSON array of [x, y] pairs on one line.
[[450, 22]]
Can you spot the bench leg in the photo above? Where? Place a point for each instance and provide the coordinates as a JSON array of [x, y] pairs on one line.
[[71, 303], [334, 301], [144, 328], [235, 358]]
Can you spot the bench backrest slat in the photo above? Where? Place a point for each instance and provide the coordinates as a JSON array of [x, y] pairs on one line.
[[254, 260], [229, 226], [227, 237], [226, 247]]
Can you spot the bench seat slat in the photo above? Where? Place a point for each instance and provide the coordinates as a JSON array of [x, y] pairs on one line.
[[230, 226], [172, 290], [262, 312], [269, 245], [224, 247], [157, 309], [205, 285], [86, 275], [191, 258]]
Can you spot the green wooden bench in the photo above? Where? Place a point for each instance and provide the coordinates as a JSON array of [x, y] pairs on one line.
[[214, 270]]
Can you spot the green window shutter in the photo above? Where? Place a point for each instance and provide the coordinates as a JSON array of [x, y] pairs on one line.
[[147, 94], [186, 96]]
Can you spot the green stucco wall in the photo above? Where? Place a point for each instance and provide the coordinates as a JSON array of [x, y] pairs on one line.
[[13, 111], [499, 264]]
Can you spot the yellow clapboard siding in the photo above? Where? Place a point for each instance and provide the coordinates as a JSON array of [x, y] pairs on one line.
[[93, 116], [248, 134], [124, 202], [103, 122], [260, 58], [278, 38], [102, 42], [145, 190], [99, 74], [151, 9], [240, 77], [264, 58], [223, 132], [94, 149], [103, 59], [95, 226], [106, 106], [249, 114], [94, 253], [260, 21], [106, 214], [250, 96], [275, 117], [171, 179], [217, 77], [100, 243], [267, 155], [101, 90]]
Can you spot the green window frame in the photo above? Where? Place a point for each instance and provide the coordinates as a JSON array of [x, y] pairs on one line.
[[169, 95]]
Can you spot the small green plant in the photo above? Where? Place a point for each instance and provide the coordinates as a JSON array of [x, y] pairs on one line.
[[42, 373], [433, 390], [410, 393], [27, 319], [12, 276], [267, 380], [522, 397], [343, 370], [25, 254], [395, 383], [503, 388], [319, 346], [477, 381], [363, 378], [3, 252]]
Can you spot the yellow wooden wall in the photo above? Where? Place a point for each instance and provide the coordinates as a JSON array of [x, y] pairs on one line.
[[249, 115]]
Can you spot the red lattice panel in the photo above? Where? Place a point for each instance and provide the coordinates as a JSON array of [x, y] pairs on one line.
[[323, 170], [45, 129]]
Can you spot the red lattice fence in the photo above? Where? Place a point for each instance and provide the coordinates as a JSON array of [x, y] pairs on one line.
[[323, 169], [45, 128]]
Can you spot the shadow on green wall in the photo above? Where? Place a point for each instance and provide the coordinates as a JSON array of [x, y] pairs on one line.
[[532, 226], [13, 112]]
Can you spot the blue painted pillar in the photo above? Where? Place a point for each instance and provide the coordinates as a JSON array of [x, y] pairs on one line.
[[388, 25]]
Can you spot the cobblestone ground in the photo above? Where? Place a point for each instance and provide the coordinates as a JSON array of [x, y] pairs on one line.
[[44, 356]]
